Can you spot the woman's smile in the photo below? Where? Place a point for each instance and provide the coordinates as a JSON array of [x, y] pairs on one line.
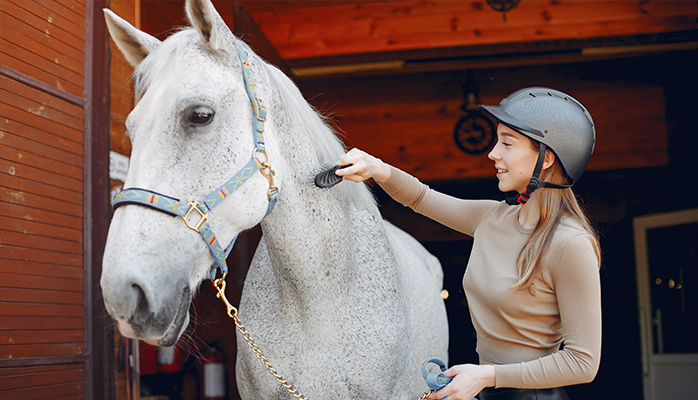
[[514, 157]]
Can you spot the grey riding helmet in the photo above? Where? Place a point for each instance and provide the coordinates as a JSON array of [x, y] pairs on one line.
[[555, 120]]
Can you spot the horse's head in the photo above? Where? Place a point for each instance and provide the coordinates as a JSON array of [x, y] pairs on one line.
[[191, 131]]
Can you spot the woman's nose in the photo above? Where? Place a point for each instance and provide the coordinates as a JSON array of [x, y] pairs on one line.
[[493, 154]]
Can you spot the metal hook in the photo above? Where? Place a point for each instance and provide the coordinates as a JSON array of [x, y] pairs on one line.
[[219, 284]]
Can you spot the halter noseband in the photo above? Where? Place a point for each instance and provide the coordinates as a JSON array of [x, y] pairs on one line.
[[176, 208]]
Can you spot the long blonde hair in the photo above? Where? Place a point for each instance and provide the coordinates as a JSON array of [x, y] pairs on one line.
[[555, 204]]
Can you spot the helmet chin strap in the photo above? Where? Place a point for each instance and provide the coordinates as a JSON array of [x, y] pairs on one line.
[[513, 197]]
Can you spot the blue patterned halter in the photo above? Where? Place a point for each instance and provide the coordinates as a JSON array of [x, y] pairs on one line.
[[176, 208]]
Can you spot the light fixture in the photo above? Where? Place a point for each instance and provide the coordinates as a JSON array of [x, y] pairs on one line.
[[503, 6]]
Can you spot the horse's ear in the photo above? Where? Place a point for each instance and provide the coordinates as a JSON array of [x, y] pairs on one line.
[[133, 43], [206, 20]]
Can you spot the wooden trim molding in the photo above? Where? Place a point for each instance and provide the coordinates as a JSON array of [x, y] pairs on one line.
[[96, 206], [39, 85], [32, 361]]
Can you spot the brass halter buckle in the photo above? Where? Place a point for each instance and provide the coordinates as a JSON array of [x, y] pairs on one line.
[[255, 108], [204, 217]]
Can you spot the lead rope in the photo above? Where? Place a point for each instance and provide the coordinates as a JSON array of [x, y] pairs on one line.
[[219, 284]]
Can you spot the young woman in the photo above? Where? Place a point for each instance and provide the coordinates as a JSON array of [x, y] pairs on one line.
[[532, 281]]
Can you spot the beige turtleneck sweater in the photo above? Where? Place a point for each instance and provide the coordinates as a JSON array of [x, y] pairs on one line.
[[521, 331]]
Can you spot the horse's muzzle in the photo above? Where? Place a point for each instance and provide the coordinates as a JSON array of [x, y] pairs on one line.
[[139, 316]]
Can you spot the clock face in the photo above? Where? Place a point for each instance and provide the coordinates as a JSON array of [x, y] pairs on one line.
[[474, 133]]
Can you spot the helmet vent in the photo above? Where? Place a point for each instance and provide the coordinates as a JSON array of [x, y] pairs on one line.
[[532, 95], [549, 94]]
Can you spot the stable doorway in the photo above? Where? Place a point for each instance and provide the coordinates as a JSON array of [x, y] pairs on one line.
[[666, 259]]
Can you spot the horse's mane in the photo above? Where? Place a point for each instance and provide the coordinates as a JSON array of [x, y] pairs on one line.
[[327, 145]]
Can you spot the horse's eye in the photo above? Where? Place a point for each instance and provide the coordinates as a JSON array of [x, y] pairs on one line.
[[202, 116]]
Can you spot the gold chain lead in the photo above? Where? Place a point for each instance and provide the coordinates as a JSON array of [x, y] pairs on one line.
[[424, 396], [219, 284], [233, 313]]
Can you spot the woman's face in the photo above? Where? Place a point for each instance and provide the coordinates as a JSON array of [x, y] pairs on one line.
[[514, 157]]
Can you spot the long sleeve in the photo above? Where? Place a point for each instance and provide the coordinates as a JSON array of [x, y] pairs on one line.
[[520, 331], [578, 291], [458, 214]]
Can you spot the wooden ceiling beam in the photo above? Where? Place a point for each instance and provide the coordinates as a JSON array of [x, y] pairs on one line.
[[490, 56], [382, 37], [487, 50], [345, 29], [160, 17], [246, 28]]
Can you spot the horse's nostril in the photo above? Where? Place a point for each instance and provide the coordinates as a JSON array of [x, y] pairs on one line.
[[142, 307]]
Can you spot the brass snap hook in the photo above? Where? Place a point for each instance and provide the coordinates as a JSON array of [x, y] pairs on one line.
[[268, 173], [219, 284]]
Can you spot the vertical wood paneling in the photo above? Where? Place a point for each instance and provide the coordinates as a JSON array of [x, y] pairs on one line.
[[42, 317]]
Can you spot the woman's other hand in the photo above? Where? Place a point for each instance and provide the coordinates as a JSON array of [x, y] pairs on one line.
[[364, 167], [468, 381]]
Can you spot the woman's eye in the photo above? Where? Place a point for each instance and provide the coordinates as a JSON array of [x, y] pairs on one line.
[[202, 116]]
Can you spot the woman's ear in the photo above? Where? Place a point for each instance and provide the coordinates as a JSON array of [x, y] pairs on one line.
[[549, 159]]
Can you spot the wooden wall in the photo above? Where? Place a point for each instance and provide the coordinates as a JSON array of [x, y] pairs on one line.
[[42, 100], [408, 120]]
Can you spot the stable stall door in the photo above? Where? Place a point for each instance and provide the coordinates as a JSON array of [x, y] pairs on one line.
[[666, 256]]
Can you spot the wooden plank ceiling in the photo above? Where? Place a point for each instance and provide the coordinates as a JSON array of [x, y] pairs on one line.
[[338, 37]]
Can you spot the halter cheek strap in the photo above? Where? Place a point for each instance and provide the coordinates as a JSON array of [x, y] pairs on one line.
[[195, 213]]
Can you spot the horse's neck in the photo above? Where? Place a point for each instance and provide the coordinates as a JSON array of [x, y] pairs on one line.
[[306, 236], [312, 237], [310, 233]]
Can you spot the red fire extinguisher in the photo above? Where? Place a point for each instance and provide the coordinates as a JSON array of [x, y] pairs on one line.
[[213, 377]]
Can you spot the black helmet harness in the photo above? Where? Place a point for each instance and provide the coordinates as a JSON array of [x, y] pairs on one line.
[[555, 121], [513, 198]]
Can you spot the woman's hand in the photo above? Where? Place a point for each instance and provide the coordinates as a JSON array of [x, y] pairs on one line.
[[364, 167], [468, 381]]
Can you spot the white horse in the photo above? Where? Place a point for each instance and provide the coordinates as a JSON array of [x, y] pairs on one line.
[[343, 304]]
